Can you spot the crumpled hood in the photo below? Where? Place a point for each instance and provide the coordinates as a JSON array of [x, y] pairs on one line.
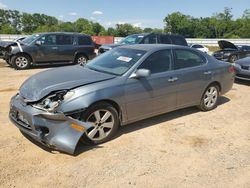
[[40, 85], [5, 44], [244, 61], [226, 44]]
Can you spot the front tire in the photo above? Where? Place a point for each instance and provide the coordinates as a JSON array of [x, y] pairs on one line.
[[21, 62], [209, 99], [105, 120]]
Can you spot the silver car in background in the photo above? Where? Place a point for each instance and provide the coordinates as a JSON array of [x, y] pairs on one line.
[[61, 106], [242, 67]]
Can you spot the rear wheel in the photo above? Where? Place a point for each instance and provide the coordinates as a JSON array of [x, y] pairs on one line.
[[21, 61], [210, 98], [105, 121], [81, 59]]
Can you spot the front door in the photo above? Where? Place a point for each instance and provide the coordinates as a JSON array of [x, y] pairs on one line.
[[145, 97]]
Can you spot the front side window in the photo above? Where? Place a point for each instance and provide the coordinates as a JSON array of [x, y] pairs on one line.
[[116, 61], [187, 58], [157, 62], [30, 39], [48, 40]]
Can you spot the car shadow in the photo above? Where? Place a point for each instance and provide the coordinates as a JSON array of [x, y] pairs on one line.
[[81, 147], [242, 82]]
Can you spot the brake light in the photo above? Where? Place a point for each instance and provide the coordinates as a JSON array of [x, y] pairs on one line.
[[231, 69]]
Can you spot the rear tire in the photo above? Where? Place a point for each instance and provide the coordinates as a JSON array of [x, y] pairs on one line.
[[105, 121], [81, 59], [21, 62], [209, 100]]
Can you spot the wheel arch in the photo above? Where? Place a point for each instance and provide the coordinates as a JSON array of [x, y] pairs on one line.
[[23, 53], [112, 103], [215, 83], [80, 53]]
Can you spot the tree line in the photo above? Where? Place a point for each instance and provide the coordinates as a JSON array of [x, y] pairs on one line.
[[220, 25]]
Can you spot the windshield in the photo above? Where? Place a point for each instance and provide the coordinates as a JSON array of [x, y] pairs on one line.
[[30, 39], [116, 61], [132, 39]]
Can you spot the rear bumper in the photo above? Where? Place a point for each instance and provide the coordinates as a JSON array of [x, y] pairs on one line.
[[51, 129], [242, 74]]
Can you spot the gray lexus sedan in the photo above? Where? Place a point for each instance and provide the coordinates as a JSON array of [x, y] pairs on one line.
[[61, 106]]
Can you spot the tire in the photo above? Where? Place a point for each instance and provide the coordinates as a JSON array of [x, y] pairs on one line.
[[81, 59], [209, 100], [102, 131], [21, 62], [233, 58]]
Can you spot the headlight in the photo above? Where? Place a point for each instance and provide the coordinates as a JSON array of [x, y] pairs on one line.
[[51, 102]]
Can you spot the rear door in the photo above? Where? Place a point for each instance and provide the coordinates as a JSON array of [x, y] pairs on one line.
[[65, 47], [155, 94], [193, 74], [85, 45]]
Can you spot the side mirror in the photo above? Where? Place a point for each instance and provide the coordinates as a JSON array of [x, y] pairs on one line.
[[38, 43], [141, 73]]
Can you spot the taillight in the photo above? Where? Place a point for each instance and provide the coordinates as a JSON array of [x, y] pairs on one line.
[[231, 69]]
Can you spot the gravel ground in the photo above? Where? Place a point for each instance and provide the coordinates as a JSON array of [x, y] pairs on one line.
[[185, 148]]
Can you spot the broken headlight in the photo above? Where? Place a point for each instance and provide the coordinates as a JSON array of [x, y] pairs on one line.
[[51, 102]]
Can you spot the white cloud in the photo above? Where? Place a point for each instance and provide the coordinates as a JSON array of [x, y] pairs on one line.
[[3, 6], [73, 14], [138, 24], [97, 12], [60, 17], [92, 18]]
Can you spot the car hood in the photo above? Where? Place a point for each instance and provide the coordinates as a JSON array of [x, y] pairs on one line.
[[64, 78], [4, 44], [108, 46], [244, 61], [223, 44]]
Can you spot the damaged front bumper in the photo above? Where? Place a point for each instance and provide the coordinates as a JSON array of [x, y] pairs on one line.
[[54, 130]]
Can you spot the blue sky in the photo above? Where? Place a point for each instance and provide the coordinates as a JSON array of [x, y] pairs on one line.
[[147, 13]]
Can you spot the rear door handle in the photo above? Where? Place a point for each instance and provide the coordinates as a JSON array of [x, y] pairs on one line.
[[54, 48], [172, 79], [207, 72]]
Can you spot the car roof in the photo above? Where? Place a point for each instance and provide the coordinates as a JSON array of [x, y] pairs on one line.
[[64, 33], [151, 47]]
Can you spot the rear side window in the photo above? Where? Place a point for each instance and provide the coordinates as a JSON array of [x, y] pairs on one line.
[[64, 39], [165, 39], [157, 62], [150, 39], [178, 40], [84, 40], [187, 58]]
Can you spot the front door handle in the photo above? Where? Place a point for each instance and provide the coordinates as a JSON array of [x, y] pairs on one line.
[[207, 72], [172, 79]]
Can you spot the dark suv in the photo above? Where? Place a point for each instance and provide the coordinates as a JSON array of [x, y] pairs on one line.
[[50, 48], [147, 38]]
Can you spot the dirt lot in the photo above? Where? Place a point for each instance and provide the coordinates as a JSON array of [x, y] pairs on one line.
[[185, 148]]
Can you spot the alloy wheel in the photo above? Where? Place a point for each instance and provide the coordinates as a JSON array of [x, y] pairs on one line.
[[103, 122], [22, 62], [210, 97], [81, 60]]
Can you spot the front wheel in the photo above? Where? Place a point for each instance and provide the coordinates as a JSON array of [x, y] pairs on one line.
[[210, 98], [21, 61], [105, 121]]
